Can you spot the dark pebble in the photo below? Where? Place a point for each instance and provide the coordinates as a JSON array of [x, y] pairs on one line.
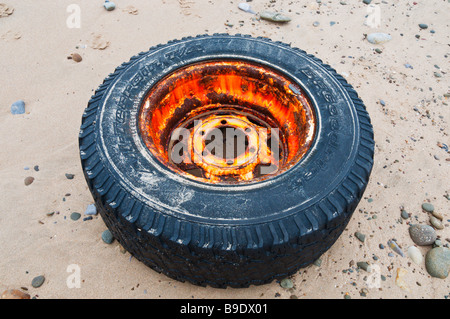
[[70, 176]]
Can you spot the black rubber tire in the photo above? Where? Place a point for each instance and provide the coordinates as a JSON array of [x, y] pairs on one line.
[[225, 235]]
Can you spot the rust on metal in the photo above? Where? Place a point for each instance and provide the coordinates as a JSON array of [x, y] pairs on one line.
[[227, 122]]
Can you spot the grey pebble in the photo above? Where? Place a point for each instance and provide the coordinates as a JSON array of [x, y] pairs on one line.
[[286, 283], [404, 214], [274, 16], [360, 236], [70, 176], [428, 207], [364, 265], [437, 262], [37, 281], [422, 235], [107, 236], [75, 216], [423, 26]]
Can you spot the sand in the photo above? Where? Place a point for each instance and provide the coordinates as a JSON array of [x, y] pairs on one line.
[[409, 168]]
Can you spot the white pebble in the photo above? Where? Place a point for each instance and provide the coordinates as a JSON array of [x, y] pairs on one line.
[[415, 255]]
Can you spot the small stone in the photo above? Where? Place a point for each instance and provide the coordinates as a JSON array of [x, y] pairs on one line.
[[364, 265], [378, 50], [415, 255], [367, 1], [437, 262], [76, 57], [437, 74], [245, 7], [37, 281], [28, 180], [360, 236], [14, 294], [91, 210], [428, 207], [378, 38], [107, 236], [393, 245], [286, 283], [423, 26], [400, 279], [18, 107], [316, 23], [422, 235], [318, 262], [436, 223], [404, 214], [75, 216], [70, 176], [36, 168], [438, 215], [109, 5], [274, 16]]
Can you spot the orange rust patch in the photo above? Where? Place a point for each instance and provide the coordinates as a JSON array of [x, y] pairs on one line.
[[253, 100]]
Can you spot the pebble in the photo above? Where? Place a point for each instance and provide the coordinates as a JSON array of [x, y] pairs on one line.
[[318, 262], [75, 216], [428, 207], [91, 210], [422, 235], [404, 214], [367, 1], [393, 245], [437, 215], [378, 38], [437, 262], [245, 7], [76, 57], [415, 255], [274, 16], [400, 279], [107, 236], [18, 107], [286, 283], [28, 180], [436, 223], [364, 265], [316, 23], [109, 5], [14, 294], [360, 236], [70, 176], [36, 168], [37, 281], [423, 26]]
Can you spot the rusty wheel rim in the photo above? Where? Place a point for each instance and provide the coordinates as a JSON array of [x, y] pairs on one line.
[[227, 122]]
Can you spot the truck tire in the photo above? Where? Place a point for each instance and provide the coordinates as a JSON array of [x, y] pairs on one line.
[[222, 230]]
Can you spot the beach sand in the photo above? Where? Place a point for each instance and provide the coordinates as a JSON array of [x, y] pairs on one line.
[[411, 164]]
